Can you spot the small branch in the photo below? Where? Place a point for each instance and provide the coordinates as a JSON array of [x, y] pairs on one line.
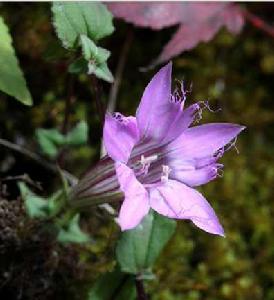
[[118, 78], [25, 178], [98, 99], [49, 166], [119, 72], [258, 22], [140, 289], [38, 159]]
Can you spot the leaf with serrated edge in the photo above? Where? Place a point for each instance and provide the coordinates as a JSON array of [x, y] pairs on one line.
[[12, 80], [71, 19]]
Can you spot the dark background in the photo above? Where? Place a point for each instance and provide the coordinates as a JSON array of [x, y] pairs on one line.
[[234, 72]]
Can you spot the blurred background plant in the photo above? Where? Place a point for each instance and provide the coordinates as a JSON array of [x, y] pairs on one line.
[[233, 71]]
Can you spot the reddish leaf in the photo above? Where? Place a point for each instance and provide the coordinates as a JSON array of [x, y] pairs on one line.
[[199, 21], [146, 14], [189, 36]]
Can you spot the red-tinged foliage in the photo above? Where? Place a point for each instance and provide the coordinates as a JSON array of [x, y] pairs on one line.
[[199, 22]]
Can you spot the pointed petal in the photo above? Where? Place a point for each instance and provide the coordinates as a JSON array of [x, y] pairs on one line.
[[176, 200], [120, 135], [195, 177], [154, 114], [161, 119], [136, 204], [204, 140], [180, 120]]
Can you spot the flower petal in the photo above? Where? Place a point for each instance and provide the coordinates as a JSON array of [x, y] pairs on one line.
[[136, 204], [120, 135], [180, 120], [204, 140], [176, 200], [195, 177], [161, 119], [156, 112]]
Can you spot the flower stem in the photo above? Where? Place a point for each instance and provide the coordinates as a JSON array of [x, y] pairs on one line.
[[140, 289], [98, 99]]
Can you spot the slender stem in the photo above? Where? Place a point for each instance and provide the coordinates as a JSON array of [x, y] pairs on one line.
[[23, 177], [119, 71], [38, 159], [258, 22], [50, 167], [140, 289], [98, 99], [118, 77]]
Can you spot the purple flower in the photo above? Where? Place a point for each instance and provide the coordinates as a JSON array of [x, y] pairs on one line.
[[159, 159]]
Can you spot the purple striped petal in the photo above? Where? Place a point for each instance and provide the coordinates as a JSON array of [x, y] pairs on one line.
[[136, 204], [156, 112], [120, 135], [202, 141], [195, 177], [176, 200], [180, 121]]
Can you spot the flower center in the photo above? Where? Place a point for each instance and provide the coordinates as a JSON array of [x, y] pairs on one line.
[[165, 173], [145, 164]]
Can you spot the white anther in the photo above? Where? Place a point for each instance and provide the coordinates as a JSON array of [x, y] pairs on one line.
[[148, 160], [165, 174]]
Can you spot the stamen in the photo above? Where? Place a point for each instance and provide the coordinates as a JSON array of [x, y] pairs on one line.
[[145, 163], [219, 153], [149, 159], [232, 144], [207, 106], [220, 171], [202, 105], [180, 93], [165, 174]]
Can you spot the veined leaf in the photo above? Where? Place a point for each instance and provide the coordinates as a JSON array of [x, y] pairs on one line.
[[12, 80], [93, 52], [138, 248], [72, 19], [101, 71]]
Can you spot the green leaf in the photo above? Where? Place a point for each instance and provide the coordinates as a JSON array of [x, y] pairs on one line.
[[72, 19], [120, 286], [36, 207], [96, 58], [39, 207], [93, 52], [49, 140], [78, 135], [101, 71], [73, 233], [12, 80], [138, 248], [80, 65]]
